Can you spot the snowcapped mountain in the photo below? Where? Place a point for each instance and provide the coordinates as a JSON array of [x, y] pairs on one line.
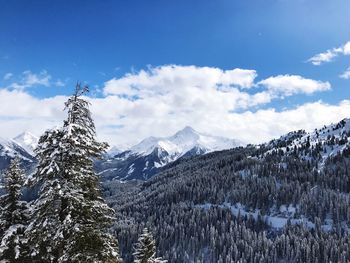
[[144, 159], [27, 141], [182, 142], [147, 158], [10, 149]]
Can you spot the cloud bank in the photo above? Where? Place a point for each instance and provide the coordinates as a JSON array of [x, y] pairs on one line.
[[161, 100]]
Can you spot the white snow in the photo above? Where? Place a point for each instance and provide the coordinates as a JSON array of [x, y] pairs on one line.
[[108, 170], [131, 169], [277, 221], [182, 142], [146, 166], [11, 148], [27, 141], [320, 136], [158, 165]]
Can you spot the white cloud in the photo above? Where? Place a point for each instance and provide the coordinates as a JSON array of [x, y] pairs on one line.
[[268, 124], [323, 57], [346, 48], [330, 54], [165, 78], [7, 76], [203, 88], [159, 101], [59, 83], [29, 79], [121, 121], [345, 74], [20, 111], [288, 85]]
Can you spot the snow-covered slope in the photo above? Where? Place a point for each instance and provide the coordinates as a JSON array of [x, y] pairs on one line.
[[10, 149], [182, 142], [317, 145], [144, 159], [27, 141]]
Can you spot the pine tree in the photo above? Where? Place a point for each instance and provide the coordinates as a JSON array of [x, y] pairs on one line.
[[88, 214], [71, 219], [145, 250], [13, 216], [44, 232]]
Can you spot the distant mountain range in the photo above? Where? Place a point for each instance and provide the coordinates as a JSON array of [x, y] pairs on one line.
[[141, 161], [152, 154], [145, 159]]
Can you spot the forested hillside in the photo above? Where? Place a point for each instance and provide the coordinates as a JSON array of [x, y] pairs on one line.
[[283, 201]]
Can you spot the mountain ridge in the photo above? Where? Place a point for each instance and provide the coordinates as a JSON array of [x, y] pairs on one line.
[[144, 159], [147, 158]]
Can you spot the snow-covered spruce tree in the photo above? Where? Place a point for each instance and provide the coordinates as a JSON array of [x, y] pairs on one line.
[[44, 233], [145, 249], [71, 220], [13, 216]]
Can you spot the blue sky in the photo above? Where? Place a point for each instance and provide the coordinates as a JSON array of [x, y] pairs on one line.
[[96, 41]]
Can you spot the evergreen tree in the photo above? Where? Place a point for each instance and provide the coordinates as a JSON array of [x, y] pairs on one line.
[[13, 216], [70, 219], [45, 230], [145, 250]]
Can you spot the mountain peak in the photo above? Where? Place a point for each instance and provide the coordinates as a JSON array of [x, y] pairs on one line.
[[27, 141], [183, 141], [188, 129], [144, 159], [26, 134], [187, 132]]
